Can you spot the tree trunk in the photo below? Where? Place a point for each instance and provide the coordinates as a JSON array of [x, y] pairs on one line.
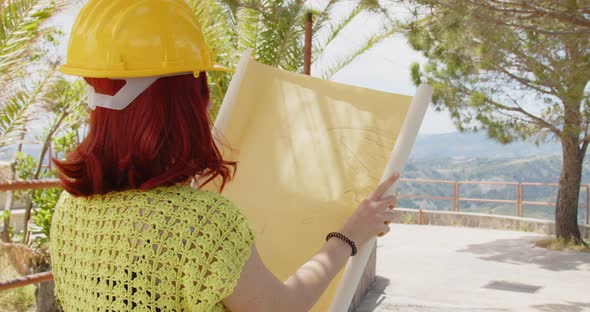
[[566, 210], [45, 293], [44, 149]]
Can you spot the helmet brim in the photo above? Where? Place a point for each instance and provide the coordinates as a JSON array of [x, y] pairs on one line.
[[122, 74]]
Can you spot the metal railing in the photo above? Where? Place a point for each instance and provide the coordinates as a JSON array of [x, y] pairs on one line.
[[519, 203], [18, 186]]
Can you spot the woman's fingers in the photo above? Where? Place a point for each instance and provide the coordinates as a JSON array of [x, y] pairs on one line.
[[388, 216], [388, 202], [384, 230], [373, 216], [383, 187]]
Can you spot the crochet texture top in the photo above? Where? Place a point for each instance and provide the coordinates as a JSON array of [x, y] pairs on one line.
[[164, 249]]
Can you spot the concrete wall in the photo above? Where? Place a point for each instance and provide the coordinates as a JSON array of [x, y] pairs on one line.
[[486, 221], [367, 280], [18, 212], [4, 175]]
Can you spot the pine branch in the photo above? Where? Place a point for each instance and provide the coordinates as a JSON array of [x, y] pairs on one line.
[[519, 109], [524, 81], [499, 12]]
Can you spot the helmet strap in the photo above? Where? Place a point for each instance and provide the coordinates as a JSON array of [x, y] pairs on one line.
[[133, 88]]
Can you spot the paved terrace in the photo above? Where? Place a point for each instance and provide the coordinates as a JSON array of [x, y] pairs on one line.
[[434, 268]]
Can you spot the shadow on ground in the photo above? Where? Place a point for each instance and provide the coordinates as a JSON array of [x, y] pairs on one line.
[[523, 251], [563, 307], [375, 296], [374, 301]]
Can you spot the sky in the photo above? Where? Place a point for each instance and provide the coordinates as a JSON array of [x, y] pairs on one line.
[[386, 67]]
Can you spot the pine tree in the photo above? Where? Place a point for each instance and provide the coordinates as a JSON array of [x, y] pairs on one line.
[[517, 69]]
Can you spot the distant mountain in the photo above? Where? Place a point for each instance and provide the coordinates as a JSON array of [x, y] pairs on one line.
[[542, 169], [475, 145], [471, 157]]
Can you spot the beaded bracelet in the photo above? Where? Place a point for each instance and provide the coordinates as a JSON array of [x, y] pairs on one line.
[[344, 238]]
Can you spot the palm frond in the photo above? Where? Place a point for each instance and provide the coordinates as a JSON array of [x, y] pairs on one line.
[[14, 116], [20, 26], [217, 27], [334, 31], [282, 29], [366, 46], [290, 52], [248, 27], [25, 107], [322, 18]]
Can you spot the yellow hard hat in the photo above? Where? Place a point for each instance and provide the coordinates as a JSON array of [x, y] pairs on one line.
[[139, 38]]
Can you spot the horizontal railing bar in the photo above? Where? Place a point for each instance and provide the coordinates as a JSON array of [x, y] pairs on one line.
[[27, 280], [29, 185], [538, 184], [43, 184], [484, 200], [425, 197], [486, 182], [428, 181], [536, 203]]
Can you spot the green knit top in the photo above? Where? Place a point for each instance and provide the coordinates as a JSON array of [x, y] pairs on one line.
[[164, 249]]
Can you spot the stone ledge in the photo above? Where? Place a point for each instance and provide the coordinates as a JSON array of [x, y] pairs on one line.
[[478, 220]]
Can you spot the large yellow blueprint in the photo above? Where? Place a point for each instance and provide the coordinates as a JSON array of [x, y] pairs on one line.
[[309, 150]]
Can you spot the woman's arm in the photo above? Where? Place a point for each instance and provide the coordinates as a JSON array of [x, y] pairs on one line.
[[259, 290]]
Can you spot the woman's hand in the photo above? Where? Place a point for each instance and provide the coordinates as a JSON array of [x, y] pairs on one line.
[[259, 290], [373, 215]]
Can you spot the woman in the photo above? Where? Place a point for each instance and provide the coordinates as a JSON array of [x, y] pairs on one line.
[[129, 233]]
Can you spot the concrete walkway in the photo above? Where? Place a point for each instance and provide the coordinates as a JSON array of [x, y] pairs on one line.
[[432, 268]]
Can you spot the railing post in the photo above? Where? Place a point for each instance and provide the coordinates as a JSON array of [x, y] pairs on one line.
[[308, 44], [520, 200], [456, 197]]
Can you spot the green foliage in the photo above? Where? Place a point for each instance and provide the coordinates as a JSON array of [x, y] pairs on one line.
[[23, 107], [20, 27], [65, 143], [46, 200], [408, 219], [65, 116], [517, 69], [274, 30], [24, 41], [6, 214], [18, 300], [510, 68], [563, 244]]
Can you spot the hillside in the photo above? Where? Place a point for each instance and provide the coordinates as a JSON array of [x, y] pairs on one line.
[[474, 157], [544, 169], [475, 145]]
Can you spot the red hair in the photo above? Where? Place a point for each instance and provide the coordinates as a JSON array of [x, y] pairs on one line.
[[162, 138]]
